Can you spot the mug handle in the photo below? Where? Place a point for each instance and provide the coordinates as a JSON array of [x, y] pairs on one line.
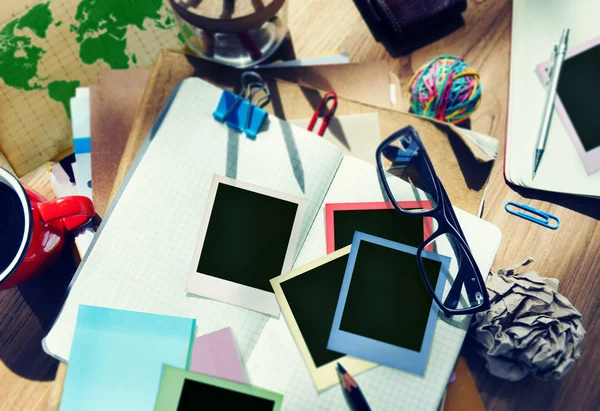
[[74, 211]]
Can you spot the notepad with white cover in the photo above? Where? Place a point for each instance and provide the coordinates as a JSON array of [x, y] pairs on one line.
[[536, 28], [141, 256]]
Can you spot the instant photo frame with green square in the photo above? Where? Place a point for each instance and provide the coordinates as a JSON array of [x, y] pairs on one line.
[[185, 390]]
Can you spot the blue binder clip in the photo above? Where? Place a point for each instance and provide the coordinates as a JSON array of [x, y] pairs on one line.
[[544, 218], [240, 111]]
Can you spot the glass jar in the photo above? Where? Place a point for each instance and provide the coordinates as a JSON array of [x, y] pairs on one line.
[[240, 33]]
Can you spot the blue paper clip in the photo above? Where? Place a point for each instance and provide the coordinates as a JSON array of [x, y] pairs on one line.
[[544, 217], [239, 111]]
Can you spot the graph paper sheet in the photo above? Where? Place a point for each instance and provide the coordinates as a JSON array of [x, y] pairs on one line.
[[276, 363], [49, 48], [141, 258]]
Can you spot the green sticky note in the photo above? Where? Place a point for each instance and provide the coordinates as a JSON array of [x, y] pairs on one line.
[[185, 390]]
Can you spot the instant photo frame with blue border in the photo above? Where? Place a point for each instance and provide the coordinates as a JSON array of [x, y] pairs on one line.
[[378, 351]]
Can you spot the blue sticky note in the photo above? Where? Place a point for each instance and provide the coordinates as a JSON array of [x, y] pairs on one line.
[[117, 357], [379, 314]]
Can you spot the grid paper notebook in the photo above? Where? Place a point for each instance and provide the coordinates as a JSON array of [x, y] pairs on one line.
[[276, 364], [142, 254], [141, 257]]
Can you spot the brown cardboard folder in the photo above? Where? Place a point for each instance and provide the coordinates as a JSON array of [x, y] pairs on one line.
[[462, 173], [114, 100]]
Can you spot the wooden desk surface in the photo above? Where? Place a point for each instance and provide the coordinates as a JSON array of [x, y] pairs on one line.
[[570, 254]]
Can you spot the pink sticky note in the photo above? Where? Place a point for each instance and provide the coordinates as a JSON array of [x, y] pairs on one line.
[[216, 354]]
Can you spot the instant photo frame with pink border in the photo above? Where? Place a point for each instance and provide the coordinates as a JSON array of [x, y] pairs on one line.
[[330, 208], [590, 158]]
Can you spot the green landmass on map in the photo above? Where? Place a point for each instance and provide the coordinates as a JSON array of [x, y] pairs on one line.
[[100, 28], [38, 19], [62, 91], [19, 57]]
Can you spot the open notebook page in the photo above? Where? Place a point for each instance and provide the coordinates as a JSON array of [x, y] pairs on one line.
[[141, 257], [276, 364]]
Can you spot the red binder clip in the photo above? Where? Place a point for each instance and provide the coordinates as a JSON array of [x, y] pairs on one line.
[[330, 95]]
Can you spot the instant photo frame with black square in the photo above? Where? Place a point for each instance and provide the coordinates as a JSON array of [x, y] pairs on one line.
[[248, 236], [385, 313], [308, 296]]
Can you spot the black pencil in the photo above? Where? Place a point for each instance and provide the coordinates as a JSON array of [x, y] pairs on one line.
[[352, 391]]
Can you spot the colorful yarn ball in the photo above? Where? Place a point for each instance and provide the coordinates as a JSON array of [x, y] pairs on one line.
[[446, 89]]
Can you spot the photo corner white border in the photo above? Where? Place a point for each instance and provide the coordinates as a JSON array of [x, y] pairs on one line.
[[208, 286]]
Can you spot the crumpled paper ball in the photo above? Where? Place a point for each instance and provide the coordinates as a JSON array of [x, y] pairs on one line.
[[529, 328]]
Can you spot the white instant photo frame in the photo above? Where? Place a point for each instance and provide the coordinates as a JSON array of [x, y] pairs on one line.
[[230, 292]]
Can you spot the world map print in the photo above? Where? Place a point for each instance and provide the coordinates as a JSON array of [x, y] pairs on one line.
[[56, 46]]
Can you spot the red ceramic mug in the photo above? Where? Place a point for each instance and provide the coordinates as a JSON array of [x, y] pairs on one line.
[[32, 230]]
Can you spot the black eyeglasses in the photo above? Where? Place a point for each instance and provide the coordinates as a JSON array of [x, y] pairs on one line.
[[402, 158]]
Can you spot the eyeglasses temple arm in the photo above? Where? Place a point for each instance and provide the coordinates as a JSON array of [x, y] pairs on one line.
[[471, 287]]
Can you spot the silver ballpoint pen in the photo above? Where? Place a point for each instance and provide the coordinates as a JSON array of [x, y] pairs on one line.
[[558, 56]]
